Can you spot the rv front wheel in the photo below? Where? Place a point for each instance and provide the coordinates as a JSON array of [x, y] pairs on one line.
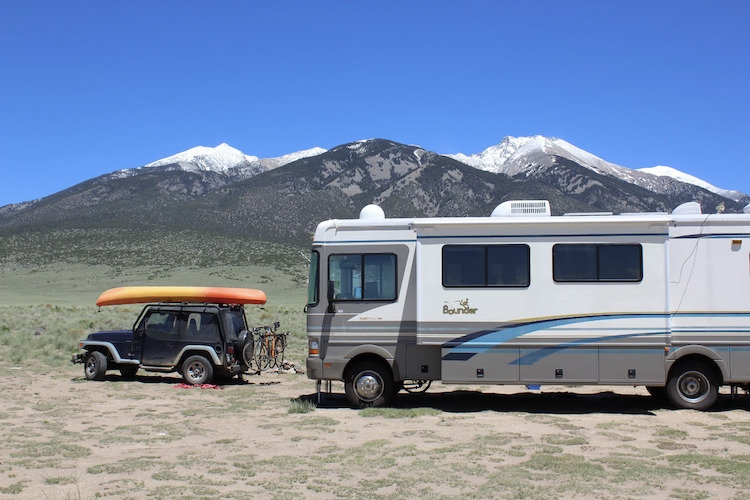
[[368, 383], [693, 385]]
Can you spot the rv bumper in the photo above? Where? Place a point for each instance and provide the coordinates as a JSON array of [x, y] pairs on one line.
[[314, 368], [331, 369]]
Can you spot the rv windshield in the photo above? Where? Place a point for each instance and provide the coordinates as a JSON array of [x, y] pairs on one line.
[[312, 285]]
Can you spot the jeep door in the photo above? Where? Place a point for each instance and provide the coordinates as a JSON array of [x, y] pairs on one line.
[[161, 338]]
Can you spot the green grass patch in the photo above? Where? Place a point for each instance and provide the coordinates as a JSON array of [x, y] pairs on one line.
[[301, 406], [399, 412]]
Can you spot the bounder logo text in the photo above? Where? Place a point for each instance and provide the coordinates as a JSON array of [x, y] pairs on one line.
[[458, 307]]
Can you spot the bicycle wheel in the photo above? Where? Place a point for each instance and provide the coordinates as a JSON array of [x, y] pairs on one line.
[[263, 356], [279, 348]]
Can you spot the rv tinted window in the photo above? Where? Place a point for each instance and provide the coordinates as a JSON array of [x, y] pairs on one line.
[[363, 276], [508, 265], [463, 265], [313, 282], [620, 262], [574, 262], [597, 262], [485, 265]]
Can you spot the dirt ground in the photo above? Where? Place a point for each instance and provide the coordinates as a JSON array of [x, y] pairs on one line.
[[64, 437]]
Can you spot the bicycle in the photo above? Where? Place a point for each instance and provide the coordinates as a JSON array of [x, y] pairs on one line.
[[270, 347]]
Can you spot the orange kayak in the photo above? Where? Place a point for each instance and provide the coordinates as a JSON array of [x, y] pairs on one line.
[[215, 295]]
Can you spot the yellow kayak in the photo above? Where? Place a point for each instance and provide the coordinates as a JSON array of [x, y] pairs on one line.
[[216, 295]]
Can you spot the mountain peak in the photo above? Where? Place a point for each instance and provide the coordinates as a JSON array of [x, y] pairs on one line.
[[218, 159]]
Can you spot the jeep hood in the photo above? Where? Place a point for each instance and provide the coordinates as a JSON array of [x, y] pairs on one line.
[[111, 336]]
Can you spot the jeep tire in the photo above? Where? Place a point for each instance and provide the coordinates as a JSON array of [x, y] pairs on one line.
[[197, 370], [95, 365]]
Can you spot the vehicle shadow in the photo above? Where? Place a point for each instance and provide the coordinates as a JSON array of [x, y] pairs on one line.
[[467, 401], [176, 379]]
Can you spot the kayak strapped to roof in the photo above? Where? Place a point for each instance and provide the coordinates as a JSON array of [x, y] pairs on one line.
[[144, 294]]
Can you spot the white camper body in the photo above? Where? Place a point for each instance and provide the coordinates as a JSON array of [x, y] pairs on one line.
[[523, 297]]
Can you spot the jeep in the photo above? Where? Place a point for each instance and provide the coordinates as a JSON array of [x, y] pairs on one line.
[[202, 342]]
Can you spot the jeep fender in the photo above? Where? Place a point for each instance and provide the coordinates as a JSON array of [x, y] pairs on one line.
[[94, 345], [203, 349]]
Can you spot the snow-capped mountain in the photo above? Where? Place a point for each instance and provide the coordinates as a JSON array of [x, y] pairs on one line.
[[516, 155], [219, 159], [224, 157], [662, 171], [528, 156]]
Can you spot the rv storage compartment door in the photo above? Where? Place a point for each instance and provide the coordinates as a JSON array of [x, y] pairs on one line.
[[557, 364], [497, 365]]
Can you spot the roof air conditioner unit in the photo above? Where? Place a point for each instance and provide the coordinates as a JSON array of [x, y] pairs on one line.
[[522, 208]]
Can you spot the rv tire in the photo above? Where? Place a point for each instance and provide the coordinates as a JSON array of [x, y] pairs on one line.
[[368, 384], [692, 385], [656, 391]]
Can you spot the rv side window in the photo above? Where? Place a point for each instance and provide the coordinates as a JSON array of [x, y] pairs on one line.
[[313, 282], [590, 262], [363, 276], [486, 265]]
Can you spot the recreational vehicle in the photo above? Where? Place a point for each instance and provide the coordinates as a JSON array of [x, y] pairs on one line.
[[523, 297]]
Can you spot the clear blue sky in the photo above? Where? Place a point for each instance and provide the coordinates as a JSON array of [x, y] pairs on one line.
[[89, 87]]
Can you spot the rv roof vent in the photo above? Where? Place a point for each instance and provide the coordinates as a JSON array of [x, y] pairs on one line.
[[689, 208], [372, 212], [746, 209], [522, 208]]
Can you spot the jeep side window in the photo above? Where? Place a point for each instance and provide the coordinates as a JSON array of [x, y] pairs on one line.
[[237, 323], [202, 326], [162, 326]]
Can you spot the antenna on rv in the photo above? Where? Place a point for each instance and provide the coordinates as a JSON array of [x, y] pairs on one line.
[[372, 212]]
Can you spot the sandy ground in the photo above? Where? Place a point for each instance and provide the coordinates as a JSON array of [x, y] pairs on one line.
[[65, 437]]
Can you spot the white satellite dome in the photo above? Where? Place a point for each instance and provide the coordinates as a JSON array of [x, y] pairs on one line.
[[372, 212]]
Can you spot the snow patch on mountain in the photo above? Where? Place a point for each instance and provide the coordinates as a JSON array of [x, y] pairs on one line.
[[271, 163], [525, 155], [662, 171], [516, 155], [219, 159]]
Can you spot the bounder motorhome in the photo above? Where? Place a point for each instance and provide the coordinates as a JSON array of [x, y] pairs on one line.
[[522, 297]]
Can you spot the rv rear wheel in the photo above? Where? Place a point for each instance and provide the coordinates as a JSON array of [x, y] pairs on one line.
[[693, 385], [368, 383]]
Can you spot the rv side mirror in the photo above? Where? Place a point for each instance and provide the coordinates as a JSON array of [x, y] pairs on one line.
[[331, 298]]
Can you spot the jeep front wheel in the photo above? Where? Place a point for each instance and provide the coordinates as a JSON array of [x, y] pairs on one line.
[[197, 370], [95, 365]]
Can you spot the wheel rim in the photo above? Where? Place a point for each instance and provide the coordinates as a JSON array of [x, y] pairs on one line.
[[91, 366], [693, 386], [368, 385], [196, 371]]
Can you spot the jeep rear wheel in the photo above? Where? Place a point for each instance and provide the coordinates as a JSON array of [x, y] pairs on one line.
[[197, 370], [95, 365]]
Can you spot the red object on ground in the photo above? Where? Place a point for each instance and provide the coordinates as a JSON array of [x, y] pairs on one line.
[[201, 386]]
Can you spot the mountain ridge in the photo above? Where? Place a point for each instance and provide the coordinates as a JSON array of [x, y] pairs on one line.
[[286, 200]]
